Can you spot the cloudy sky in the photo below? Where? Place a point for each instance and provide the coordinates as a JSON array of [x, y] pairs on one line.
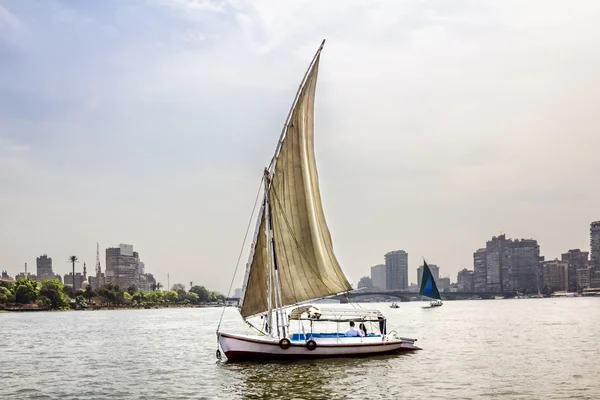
[[438, 125]]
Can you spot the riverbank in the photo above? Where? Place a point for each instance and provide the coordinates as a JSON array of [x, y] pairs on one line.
[[107, 307]]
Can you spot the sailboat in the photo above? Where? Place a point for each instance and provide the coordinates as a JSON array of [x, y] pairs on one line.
[[292, 263], [429, 288]]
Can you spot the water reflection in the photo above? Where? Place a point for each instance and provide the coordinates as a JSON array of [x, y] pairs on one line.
[[335, 378]]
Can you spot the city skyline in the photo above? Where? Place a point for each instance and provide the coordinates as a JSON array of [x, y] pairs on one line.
[[436, 125], [594, 240]]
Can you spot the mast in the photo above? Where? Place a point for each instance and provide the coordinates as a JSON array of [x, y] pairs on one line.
[[271, 167], [269, 275]]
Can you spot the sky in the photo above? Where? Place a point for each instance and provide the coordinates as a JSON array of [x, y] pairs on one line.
[[438, 125]]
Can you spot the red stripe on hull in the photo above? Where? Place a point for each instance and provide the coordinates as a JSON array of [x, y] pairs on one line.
[[254, 356]]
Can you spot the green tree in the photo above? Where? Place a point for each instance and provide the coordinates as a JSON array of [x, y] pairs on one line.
[[171, 296], [26, 291], [215, 296], [43, 302], [73, 260], [191, 297], [202, 292], [53, 290], [127, 297], [6, 296], [68, 290], [132, 289], [138, 297], [89, 292], [154, 297]]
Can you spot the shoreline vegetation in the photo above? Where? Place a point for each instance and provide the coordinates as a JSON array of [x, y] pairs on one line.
[[27, 295]]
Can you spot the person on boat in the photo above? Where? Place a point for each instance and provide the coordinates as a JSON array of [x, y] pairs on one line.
[[353, 331], [362, 328]]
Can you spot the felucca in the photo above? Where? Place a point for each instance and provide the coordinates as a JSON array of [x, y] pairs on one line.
[[292, 262], [429, 288]]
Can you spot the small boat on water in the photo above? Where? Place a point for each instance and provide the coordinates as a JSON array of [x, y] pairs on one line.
[[394, 305], [429, 288], [292, 262]]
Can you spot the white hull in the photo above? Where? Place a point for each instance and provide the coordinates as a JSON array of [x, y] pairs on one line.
[[247, 347]]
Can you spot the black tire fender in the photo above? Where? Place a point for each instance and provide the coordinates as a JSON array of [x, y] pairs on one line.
[[311, 345], [285, 343]]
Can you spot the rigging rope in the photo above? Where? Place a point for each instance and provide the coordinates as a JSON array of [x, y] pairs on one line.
[[237, 265]]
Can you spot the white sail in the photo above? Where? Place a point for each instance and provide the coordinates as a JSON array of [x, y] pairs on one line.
[[308, 268]]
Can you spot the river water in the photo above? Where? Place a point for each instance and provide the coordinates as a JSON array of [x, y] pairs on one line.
[[505, 349]]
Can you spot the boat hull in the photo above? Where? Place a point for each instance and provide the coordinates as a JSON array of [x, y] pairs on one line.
[[246, 347]]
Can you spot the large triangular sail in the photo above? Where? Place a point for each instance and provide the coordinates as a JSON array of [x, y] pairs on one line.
[[307, 266], [428, 286]]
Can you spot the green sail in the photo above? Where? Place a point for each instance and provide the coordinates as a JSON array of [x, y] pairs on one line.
[[428, 286]]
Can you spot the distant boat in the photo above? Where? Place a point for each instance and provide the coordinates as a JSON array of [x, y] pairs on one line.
[[429, 288], [292, 262], [394, 305]]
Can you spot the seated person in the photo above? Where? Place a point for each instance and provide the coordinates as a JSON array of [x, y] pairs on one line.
[[353, 331], [363, 329]]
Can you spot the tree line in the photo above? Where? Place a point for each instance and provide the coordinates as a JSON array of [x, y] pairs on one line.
[[52, 294]]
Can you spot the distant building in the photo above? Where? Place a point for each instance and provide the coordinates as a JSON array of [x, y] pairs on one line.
[[44, 267], [79, 279], [142, 268], [465, 281], [5, 277], [595, 253], [496, 261], [238, 293], [122, 266], [146, 282], [524, 272], [435, 271], [443, 284], [584, 277], [378, 276], [556, 275], [507, 265], [576, 260], [396, 270], [479, 270]]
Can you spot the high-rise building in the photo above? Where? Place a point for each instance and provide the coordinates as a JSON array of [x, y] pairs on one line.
[[443, 284], [435, 272], [595, 253], [584, 277], [507, 265], [524, 266], [496, 261], [378, 276], [465, 280], [44, 267], [576, 260], [556, 275], [479, 271], [122, 266], [396, 270]]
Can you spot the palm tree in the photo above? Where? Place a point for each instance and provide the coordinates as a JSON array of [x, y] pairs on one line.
[[73, 260]]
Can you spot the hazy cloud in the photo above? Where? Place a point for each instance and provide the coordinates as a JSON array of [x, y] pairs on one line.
[[439, 124]]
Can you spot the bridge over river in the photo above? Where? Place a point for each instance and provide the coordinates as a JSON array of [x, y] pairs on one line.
[[403, 294]]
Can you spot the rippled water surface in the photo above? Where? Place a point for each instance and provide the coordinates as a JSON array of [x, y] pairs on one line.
[[530, 349]]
